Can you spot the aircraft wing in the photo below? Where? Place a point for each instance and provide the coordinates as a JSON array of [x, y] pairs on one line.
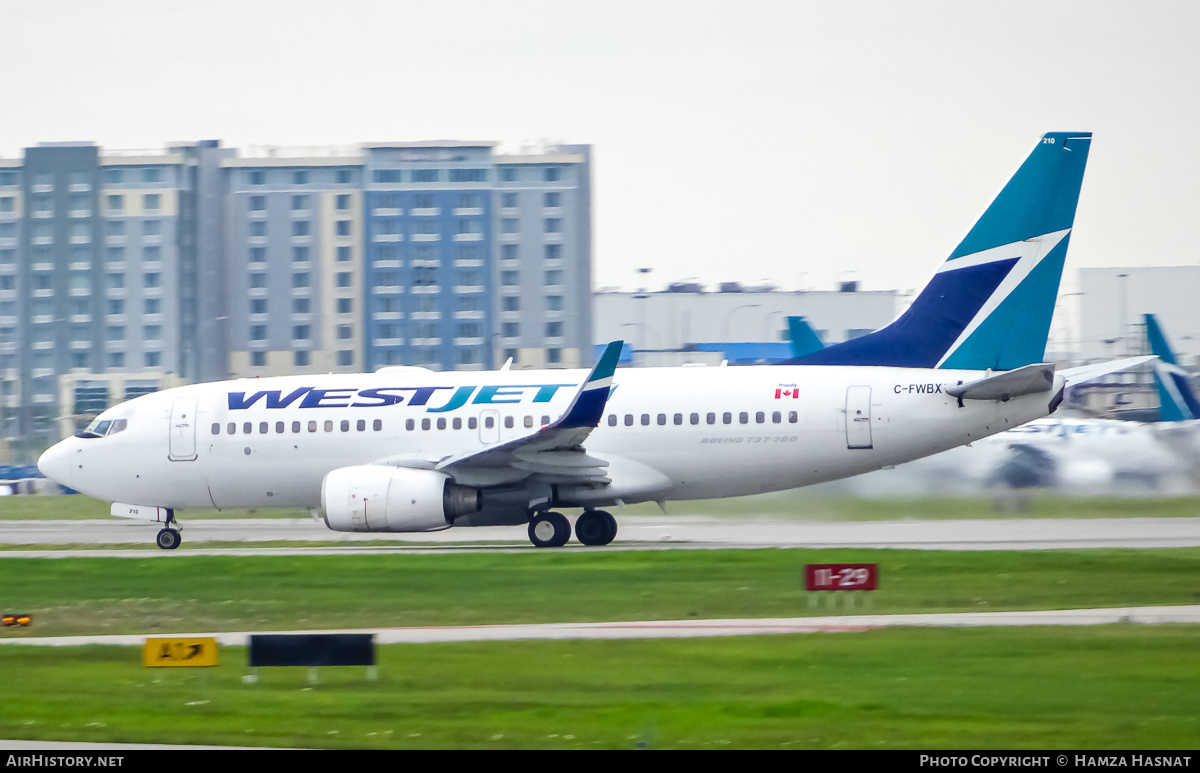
[[554, 451]]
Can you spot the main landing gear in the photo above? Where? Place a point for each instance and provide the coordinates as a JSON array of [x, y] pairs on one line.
[[168, 538], [552, 530]]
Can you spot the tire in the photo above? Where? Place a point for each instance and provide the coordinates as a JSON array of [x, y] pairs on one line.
[[168, 539], [549, 530], [595, 527]]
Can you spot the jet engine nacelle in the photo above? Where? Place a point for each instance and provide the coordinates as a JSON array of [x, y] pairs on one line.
[[379, 498]]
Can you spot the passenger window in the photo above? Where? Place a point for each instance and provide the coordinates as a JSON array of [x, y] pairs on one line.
[[231, 428], [645, 420], [662, 419], [329, 426], [312, 426], [457, 423], [629, 420], [528, 421], [295, 426], [744, 417], [425, 424], [263, 428], [711, 418], [489, 422], [612, 419], [727, 418], [377, 425], [345, 425], [279, 427], [776, 417], [792, 417], [760, 417], [545, 420], [441, 422], [362, 425], [216, 429], [678, 419], [695, 418], [410, 425], [247, 428], [508, 422], [472, 423]]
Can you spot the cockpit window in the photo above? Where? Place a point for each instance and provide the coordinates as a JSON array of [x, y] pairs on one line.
[[103, 428]]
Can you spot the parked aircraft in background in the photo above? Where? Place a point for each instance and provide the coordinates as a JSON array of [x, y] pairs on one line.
[[407, 449]]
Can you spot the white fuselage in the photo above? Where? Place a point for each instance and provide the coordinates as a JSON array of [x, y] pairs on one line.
[[668, 434]]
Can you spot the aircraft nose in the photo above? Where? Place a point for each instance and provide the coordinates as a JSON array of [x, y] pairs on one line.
[[55, 463]]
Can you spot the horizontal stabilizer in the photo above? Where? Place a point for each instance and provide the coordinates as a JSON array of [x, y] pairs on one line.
[[1028, 380], [1086, 373]]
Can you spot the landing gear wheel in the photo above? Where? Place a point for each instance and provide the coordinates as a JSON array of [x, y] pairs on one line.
[[549, 530], [595, 527], [169, 539]]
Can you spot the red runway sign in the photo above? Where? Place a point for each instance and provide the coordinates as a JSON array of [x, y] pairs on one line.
[[841, 576]]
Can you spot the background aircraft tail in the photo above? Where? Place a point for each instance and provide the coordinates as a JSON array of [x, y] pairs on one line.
[[1175, 394], [990, 303], [802, 338]]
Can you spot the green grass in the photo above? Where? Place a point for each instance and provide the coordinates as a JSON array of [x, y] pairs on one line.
[[177, 593], [1093, 688], [806, 504]]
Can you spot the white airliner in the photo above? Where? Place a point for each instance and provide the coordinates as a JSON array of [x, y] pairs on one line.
[[406, 449]]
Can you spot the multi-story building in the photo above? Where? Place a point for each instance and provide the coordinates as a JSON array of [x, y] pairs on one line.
[[137, 270]]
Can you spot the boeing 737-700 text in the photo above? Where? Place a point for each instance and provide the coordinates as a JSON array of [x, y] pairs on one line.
[[407, 449]]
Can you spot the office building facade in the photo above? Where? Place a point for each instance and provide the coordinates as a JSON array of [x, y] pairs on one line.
[[129, 271]]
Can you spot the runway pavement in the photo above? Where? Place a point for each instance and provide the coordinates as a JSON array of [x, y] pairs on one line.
[[636, 533]]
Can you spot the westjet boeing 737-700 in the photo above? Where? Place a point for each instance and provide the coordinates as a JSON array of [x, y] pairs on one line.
[[407, 449]]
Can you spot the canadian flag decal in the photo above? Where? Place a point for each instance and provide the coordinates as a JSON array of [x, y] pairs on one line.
[[787, 390]]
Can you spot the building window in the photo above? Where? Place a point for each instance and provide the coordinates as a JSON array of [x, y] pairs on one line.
[[300, 253], [344, 278], [553, 225], [345, 358], [345, 306], [300, 177], [554, 277], [342, 201], [426, 175], [553, 199], [300, 359], [300, 279], [552, 174], [554, 329], [152, 201], [258, 203], [258, 359], [300, 202], [300, 332], [343, 176]]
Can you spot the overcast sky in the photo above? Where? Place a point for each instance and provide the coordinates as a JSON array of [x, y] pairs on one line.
[[794, 142]]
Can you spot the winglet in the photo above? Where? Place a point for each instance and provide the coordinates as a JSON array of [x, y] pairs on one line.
[[589, 403]]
